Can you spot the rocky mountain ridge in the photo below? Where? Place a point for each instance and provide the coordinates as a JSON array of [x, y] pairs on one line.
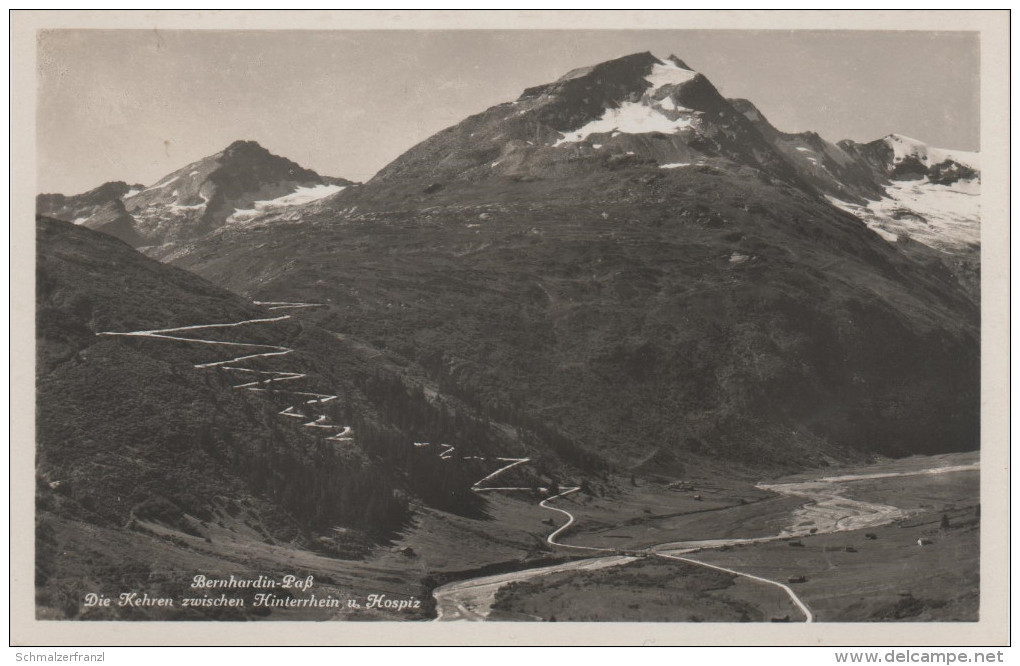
[[234, 184], [635, 110]]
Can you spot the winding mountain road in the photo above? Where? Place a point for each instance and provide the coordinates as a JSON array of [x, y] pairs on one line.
[[264, 379], [514, 462]]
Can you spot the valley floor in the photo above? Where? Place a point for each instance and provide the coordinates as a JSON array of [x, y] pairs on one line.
[[845, 555], [712, 550]]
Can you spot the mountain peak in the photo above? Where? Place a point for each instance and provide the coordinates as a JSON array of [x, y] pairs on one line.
[[678, 62], [634, 65], [244, 147], [244, 143], [643, 57], [649, 58], [908, 149], [637, 107]]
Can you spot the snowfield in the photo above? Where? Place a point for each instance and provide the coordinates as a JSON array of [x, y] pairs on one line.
[[302, 195], [630, 118], [904, 146], [668, 74], [299, 197], [943, 217]]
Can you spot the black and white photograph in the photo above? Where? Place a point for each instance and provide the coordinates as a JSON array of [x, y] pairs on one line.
[[665, 325]]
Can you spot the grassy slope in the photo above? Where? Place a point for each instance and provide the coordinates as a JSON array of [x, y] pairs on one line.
[[684, 593], [106, 428], [143, 452], [145, 464]]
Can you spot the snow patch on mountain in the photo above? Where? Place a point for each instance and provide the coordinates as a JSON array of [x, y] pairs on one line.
[[304, 195], [887, 235], [942, 217], [904, 146], [630, 118], [646, 115], [299, 197], [668, 74]]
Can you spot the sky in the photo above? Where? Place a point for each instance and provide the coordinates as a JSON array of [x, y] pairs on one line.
[[134, 105]]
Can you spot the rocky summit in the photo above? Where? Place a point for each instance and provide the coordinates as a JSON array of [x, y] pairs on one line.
[[637, 109], [231, 185]]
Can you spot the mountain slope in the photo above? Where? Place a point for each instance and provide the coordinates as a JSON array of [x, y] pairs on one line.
[[930, 206], [133, 417], [689, 310], [826, 166], [900, 187], [155, 440]]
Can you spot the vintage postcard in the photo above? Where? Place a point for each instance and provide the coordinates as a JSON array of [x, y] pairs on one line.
[[442, 327]]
